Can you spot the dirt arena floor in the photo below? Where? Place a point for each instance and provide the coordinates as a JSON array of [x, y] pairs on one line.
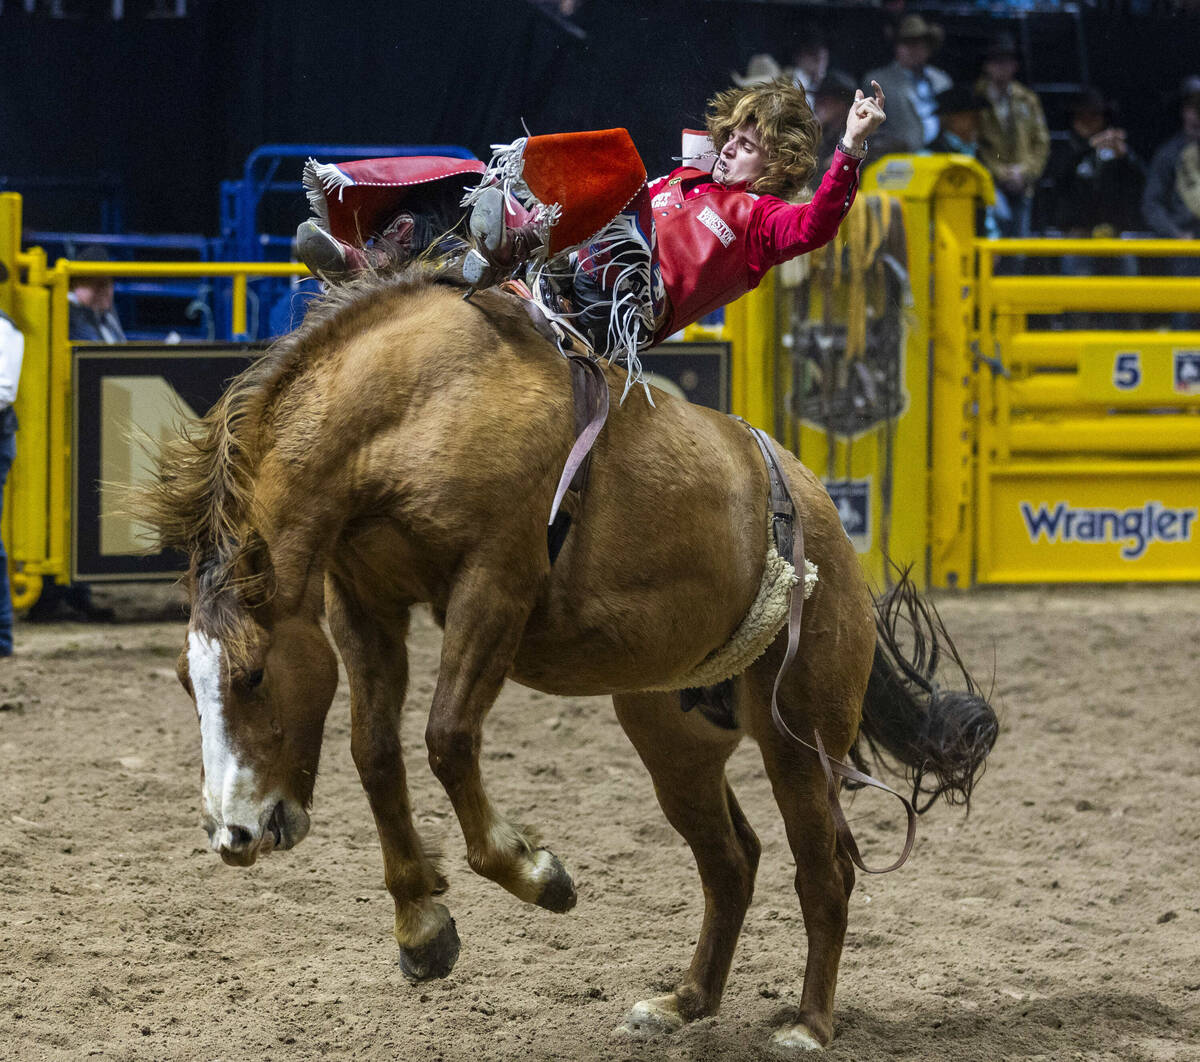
[[1060, 921]]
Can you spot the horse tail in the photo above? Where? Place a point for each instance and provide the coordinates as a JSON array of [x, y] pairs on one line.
[[939, 738]]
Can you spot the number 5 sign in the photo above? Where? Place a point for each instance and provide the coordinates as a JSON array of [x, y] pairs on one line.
[[1127, 370]]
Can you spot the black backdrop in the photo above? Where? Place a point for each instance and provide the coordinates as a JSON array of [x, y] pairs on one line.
[[171, 107]]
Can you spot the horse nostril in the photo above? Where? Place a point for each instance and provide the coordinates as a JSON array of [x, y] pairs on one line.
[[239, 838]]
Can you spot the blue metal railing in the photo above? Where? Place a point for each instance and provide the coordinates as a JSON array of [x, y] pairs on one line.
[[275, 304]]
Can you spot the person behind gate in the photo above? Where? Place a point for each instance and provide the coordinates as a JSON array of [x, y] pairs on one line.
[[12, 350]]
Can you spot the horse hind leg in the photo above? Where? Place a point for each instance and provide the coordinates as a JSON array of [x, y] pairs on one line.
[[484, 622], [686, 755], [377, 666], [824, 873]]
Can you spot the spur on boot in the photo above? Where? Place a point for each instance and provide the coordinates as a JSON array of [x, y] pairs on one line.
[[503, 235]]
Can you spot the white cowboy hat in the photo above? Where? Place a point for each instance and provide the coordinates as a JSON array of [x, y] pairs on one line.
[[915, 28], [762, 67]]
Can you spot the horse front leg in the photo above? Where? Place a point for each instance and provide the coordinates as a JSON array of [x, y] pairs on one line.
[[376, 662], [485, 619]]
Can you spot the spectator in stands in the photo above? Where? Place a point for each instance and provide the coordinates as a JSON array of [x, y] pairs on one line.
[[911, 85], [12, 350], [1014, 142], [1094, 180], [960, 114], [1171, 201], [1093, 188], [93, 317], [830, 100], [810, 63], [960, 111]]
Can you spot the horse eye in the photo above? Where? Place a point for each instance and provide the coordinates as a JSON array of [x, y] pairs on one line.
[[254, 678]]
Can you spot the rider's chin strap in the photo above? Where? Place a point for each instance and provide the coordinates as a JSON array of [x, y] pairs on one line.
[[789, 541]]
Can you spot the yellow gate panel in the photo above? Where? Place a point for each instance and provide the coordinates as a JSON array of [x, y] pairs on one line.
[[1111, 434], [1093, 521], [932, 522]]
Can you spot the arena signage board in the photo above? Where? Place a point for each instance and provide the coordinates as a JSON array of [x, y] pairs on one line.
[[123, 396], [1077, 526], [697, 371], [853, 500], [1133, 528]]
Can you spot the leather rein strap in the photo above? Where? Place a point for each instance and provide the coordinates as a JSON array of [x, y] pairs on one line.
[[789, 541]]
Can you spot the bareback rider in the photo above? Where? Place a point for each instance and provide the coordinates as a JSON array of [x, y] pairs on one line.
[[632, 262]]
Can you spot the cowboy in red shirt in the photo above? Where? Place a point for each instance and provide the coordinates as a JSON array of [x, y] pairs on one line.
[[634, 261]]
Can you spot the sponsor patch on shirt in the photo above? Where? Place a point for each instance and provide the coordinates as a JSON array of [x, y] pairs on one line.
[[716, 224], [661, 200]]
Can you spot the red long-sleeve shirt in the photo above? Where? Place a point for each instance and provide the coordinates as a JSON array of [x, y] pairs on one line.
[[779, 230], [711, 256]]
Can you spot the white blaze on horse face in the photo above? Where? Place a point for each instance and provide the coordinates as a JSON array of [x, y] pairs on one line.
[[229, 788]]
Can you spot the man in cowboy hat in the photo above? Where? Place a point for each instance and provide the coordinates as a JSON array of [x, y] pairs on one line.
[[1094, 180], [830, 98], [810, 59], [959, 110], [911, 85], [1171, 201], [1014, 143]]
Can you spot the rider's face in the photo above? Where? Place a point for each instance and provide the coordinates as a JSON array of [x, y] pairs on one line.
[[743, 157]]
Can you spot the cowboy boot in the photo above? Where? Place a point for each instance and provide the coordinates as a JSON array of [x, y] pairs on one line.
[[325, 255], [503, 235], [336, 260]]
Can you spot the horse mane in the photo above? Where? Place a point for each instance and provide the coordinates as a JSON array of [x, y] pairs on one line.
[[201, 499]]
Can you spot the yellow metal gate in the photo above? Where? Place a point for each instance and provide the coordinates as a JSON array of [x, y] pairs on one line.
[[1088, 442]]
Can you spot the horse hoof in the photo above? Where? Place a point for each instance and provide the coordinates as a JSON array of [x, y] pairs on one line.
[[796, 1038], [650, 1019], [433, 959], [557, 893]]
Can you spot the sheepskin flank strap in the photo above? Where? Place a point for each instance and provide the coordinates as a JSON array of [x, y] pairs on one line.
[[784, 521], [762, 622]]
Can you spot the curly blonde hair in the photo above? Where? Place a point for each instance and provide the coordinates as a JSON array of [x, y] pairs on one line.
[[787, 129]]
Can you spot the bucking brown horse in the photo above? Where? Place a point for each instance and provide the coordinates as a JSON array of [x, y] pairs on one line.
[[403, 447]]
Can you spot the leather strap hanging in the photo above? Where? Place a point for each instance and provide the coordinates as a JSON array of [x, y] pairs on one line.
[[590, 402], [589, 391], [789, 541]]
